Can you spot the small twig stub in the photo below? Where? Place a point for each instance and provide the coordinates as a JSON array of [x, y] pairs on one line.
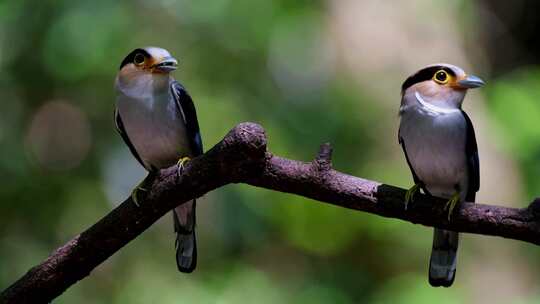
[[323, 161]]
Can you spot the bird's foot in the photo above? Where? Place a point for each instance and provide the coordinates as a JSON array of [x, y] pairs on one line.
[[181, 162], [451, 204], [409, 195], [134, 193]]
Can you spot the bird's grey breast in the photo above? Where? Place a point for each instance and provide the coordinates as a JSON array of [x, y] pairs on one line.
[[435, 147], [155, 127]]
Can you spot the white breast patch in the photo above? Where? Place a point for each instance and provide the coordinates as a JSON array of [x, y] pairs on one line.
[[434, 139]]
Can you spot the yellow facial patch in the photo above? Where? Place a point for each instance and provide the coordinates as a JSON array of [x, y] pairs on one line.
[[149, 64], [144, 62], [442, 77]]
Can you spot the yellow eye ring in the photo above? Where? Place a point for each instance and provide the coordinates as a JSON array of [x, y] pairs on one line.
[[441, 76], [138, 59]]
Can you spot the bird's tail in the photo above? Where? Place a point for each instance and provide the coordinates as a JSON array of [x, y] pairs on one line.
[[442, 264], [186, 243]]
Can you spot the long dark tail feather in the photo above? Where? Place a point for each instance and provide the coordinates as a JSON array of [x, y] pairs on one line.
[[442, 264], [186, 242]]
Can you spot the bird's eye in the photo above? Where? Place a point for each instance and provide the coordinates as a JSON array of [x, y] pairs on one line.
[[441, 77], [138, 59]]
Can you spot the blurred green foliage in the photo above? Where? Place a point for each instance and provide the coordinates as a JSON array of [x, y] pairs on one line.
[[257, 60], [515, 102]]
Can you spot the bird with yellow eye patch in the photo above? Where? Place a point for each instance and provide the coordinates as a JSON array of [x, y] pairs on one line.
[[440, 148], [156, 118]]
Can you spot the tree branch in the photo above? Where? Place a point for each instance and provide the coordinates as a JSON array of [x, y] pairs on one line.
[[241, 157]]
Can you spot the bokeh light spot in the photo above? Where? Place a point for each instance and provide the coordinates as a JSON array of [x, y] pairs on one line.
[[59, 136]]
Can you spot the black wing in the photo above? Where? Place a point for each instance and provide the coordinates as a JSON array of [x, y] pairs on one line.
[[473, 161], [186, 245], [122, 131], [415, 177], [189, 115]]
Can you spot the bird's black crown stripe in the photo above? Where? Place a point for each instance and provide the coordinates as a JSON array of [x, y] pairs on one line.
[[423, 75], [129, 58]]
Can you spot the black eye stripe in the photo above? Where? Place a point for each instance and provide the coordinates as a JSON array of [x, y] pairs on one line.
[[131, 56], [423, 75]]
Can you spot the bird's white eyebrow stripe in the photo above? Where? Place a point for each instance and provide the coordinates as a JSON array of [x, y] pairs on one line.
[[432, 107]]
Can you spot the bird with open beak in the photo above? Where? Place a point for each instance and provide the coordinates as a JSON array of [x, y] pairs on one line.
[[156, 118], [439, 144]]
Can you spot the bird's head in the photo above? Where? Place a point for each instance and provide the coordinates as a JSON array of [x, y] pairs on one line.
[[443, 85], [145, 70], [149, 60]]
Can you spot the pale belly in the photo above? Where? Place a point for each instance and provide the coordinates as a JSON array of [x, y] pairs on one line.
[[435, 146], [156, 130]]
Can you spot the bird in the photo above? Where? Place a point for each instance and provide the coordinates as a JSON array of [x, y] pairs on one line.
[[157, 120], [439, 143]]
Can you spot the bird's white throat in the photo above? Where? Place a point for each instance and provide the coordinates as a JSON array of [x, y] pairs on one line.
[[433, 108]]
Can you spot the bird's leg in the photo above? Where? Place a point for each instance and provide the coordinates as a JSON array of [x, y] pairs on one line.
[[409, 195], [181, 162], [451, 204], [136, 190], [141, 187]]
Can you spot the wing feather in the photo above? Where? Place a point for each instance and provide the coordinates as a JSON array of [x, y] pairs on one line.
[[189, 115], [122, 131], [473, 161], [402, 144]]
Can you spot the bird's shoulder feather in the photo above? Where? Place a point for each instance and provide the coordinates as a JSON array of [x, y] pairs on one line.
[[189, 116], [473, 160], [122, 131]]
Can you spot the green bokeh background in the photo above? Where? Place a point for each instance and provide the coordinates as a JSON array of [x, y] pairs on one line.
[[286, 65]]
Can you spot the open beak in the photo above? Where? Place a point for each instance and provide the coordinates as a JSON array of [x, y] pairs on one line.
[[166, 65], [471, 82]]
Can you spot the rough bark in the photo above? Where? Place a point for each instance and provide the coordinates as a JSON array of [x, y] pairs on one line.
[[242, 157]]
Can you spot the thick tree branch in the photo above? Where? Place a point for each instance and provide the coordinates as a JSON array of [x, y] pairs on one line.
[[241, 157]]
